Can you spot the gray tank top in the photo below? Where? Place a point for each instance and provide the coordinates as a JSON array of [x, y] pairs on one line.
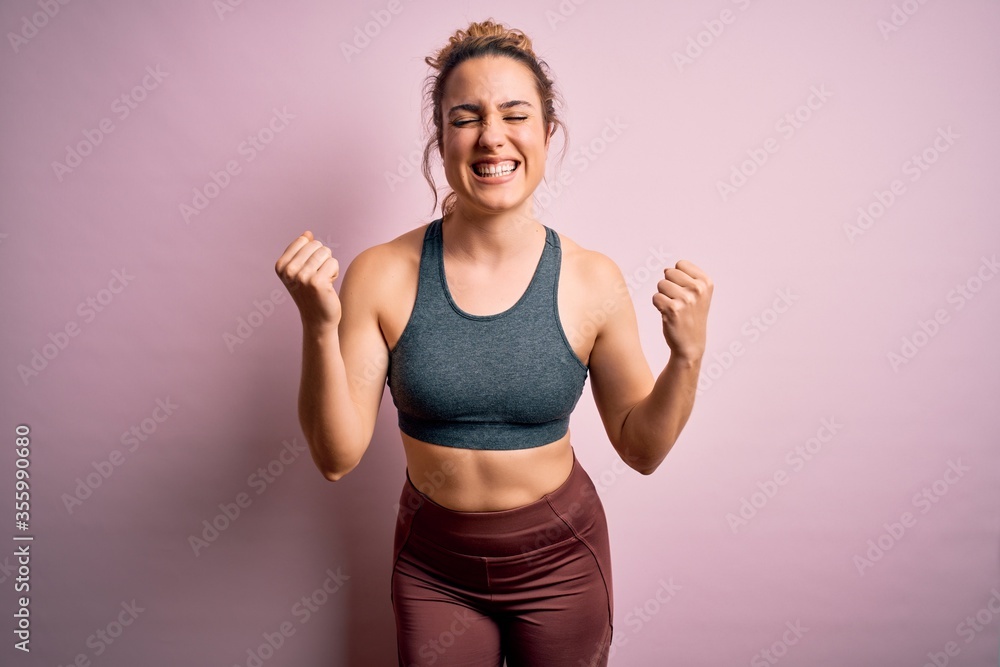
[[504, 381]]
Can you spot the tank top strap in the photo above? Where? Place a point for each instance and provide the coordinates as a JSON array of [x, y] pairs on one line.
[[542, 291], [431, 300]]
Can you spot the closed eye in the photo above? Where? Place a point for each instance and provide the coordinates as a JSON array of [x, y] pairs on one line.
[[460, 123]]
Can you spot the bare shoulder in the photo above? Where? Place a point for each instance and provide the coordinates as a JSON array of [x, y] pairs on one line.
[[382, 265], [381, 276], [594, 271]]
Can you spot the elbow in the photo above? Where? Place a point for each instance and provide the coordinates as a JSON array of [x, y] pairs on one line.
[[643, 463], [642, 467], [646, 469], [333, 475], [332, 463], [336, 474]]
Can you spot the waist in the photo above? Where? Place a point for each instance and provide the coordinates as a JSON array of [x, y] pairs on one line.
[[503, 532], [473, 480]]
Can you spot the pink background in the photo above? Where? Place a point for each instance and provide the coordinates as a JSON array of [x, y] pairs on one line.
[[660, 135]]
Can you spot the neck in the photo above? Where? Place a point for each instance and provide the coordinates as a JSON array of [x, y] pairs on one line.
[[491, 238]]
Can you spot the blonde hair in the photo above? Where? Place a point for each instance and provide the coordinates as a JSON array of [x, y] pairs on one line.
[[486, 38]]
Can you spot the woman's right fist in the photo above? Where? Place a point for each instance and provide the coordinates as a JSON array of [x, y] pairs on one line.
[[308, 269]]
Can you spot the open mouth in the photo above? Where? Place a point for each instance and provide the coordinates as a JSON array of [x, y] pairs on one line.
[[498, 170]]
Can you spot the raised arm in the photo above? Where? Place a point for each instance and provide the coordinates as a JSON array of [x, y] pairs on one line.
[[642, 416], [344, 356]]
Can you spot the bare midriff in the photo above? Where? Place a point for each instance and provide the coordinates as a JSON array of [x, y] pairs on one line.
[[471, 480]]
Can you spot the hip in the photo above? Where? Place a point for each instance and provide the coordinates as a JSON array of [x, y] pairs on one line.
[[573, 510]]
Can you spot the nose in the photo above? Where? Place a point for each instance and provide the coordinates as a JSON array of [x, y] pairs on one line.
[[492, 134]]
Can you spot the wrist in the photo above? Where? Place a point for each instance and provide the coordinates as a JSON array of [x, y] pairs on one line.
[[686, 359], [319, 330]]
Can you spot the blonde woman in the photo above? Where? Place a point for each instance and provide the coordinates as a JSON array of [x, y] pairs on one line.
[[485, 323]]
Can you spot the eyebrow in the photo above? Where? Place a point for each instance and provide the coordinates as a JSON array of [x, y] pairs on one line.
[[503, 106]]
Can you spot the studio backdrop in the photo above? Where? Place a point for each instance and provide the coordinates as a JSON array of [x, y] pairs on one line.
[[832, 166]]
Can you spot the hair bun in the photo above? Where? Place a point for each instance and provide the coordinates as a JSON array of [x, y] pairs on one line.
[[486, 38], [482, 32]]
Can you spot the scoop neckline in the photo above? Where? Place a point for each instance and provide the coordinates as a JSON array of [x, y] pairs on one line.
[[493, 316]]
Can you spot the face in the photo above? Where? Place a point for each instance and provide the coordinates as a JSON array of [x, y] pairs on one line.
[[492, 112]]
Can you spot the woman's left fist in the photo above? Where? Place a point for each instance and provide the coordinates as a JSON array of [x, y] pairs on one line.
[[683, 298]]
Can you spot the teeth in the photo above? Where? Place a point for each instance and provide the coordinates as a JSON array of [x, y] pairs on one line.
[[495, 169]]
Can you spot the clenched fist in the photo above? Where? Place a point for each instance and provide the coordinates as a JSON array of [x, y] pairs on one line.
[[683, 298], [308, 269]]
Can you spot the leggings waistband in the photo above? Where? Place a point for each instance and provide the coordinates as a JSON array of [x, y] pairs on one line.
[[551, 519]]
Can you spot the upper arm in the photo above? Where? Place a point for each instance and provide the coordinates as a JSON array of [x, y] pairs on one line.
[[362, 345], [619, 373]]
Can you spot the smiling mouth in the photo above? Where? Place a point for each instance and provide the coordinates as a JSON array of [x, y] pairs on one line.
[[485, 170]]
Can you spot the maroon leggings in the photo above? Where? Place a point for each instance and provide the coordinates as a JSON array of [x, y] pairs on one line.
[[531, 585]]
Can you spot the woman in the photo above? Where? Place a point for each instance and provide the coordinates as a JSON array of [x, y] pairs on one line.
[[485, 323]]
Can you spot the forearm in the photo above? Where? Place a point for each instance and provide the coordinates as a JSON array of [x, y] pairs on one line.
[[327, 414], [654, 424]]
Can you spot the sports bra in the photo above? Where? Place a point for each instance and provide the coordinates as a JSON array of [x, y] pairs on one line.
[[504, 381]]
